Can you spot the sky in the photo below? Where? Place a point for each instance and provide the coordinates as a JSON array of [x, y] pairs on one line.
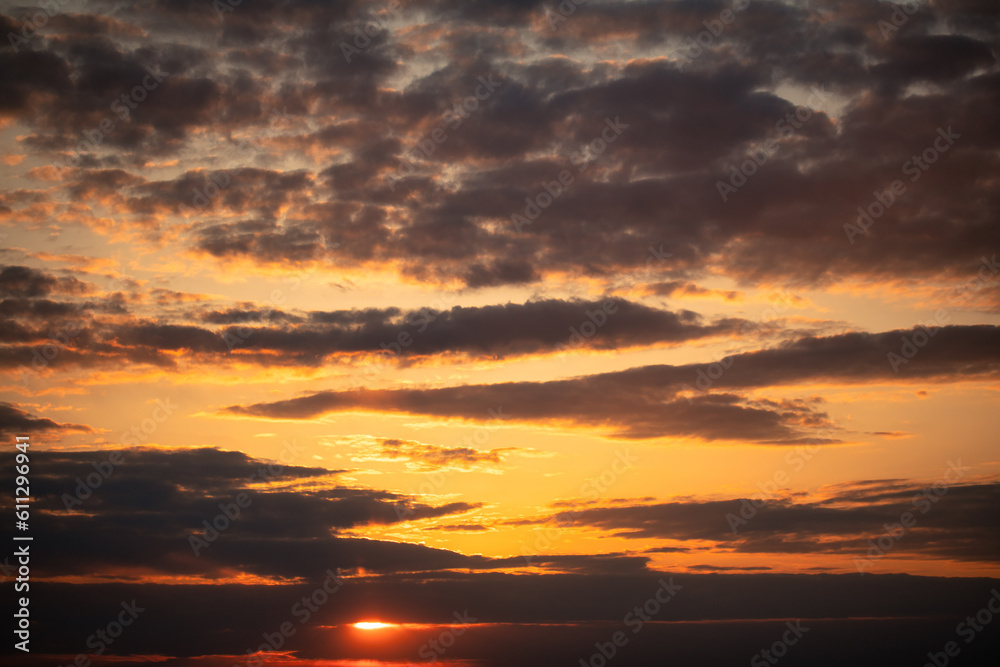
[[516, 331]]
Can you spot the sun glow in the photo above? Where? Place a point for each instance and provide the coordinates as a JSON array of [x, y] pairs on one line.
[[372, 625]]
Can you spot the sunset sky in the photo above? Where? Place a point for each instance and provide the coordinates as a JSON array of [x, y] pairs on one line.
[[494, 320]]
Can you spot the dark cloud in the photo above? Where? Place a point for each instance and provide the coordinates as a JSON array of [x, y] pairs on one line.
[[657, 401], [14, 421], [101, 336], [950, 520], [432, 457], [145, 510], [667, 550], [636, 412], [461, 527], [717, 568], [449, 217], [145, 506], [25, 282], [679, 288]]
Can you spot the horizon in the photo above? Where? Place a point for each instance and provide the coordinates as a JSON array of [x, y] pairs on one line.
[[509, 332]]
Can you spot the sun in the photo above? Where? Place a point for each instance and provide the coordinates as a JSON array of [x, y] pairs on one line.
[[372, 625]]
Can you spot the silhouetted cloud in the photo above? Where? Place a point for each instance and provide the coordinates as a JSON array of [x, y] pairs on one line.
[[15, 421], [102, 336], [656, 401], [689, 120], [949, 521]]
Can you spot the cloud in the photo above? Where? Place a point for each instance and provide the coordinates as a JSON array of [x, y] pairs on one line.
[[631, 414], [25, 282], [15, 421], [950, 521], [111, 510], [680, 289], [262, 148], [151, 504], [718, 568], [122, 326], [420, 456], [656, 401], [448, 219], [461, 527]]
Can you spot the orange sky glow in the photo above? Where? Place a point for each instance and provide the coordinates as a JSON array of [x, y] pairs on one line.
[[418, 331]]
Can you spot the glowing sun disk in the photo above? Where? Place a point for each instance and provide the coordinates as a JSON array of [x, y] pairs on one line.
[[372, 625]]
